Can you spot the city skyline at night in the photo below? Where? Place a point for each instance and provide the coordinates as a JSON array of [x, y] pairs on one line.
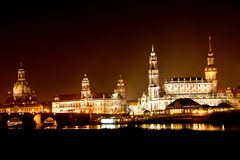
[[59, 43]]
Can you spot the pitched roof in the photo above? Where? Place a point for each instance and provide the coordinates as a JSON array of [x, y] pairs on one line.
[[184, 102], [225, 105]]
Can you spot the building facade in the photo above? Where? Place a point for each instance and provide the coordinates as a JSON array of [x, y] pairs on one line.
[[87, 102], [233, 96], [202, 90], [21, 92], [182, 106], [199, 89], [188, 106], [22, 99]]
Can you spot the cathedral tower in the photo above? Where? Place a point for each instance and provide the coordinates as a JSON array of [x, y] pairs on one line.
[[210, 69], [153, 87], [85, 92], [120, 87], [21, 73]]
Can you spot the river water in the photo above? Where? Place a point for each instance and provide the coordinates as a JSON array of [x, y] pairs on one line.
[[173, 126]]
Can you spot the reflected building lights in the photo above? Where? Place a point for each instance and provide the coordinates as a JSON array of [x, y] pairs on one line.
[[172, 126], [194, 126]]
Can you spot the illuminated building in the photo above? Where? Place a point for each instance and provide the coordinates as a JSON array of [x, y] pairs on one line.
[[153, 101], [188, 106], [233, 96], [198, 89], [22, 108], [182, 106], [134, 108], [120, 87], [211, 70], [22, 93], [22, 99], [153, 87], [88, 102], [201, 90], [85, 92]]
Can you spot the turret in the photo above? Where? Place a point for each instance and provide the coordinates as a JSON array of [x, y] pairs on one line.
[[210, 69]]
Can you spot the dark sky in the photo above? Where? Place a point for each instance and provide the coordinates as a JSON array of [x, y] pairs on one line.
[[59, 42]]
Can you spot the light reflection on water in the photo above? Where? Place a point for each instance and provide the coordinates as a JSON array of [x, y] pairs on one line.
[[192, 126], [102, 126], [171, 126]]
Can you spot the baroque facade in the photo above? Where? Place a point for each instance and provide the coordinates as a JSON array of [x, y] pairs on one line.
[[21, 92], [87, 102], [202, 90], [22, 99]]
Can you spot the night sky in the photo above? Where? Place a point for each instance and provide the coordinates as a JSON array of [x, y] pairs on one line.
[[59, 42]]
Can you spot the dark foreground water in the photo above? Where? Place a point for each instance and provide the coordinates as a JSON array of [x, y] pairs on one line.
[[137, 142], [124, 135]]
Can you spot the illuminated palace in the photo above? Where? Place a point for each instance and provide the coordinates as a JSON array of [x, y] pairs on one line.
[[202, 90], [21, 99], [87, 102]]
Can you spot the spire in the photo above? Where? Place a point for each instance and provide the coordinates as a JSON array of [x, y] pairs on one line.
[[21, 65], [21, 73], [210, 43], [152, 47], [210, 59], [120, 87], [152, 52], [210, 69], [85, 79], [120, 81]]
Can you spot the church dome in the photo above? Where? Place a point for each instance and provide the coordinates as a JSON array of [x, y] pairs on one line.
[[21, 87]]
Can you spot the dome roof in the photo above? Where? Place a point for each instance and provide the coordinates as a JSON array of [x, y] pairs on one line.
[[21, 87]]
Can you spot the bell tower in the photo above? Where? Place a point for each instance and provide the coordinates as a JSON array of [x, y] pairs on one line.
[[21, 73], [210, 69], [85, 92], [120, 87], [153, 87]]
